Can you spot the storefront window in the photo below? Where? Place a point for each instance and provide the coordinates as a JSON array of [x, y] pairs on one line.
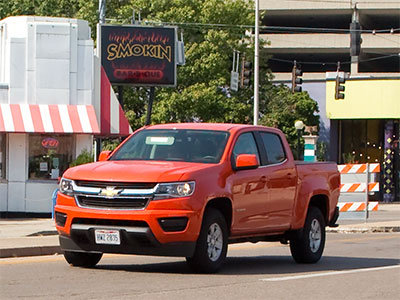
[[2, 156], [361, 141], [49, 155]]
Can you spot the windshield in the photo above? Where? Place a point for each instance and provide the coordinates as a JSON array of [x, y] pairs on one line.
[[203, 146]]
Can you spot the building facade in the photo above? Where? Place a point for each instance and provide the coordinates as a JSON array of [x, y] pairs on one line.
[[50, 106], [364, 126]]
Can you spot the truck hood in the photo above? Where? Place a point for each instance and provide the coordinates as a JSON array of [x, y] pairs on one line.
[[134, 171]]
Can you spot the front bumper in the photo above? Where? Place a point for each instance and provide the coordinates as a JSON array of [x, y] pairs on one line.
[[142, 231], [134, 240]]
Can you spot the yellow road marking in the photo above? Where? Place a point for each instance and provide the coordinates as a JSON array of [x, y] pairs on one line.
[[27, 260], [366, 238]]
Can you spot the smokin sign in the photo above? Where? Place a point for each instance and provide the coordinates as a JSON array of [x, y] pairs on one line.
[[139, 55]]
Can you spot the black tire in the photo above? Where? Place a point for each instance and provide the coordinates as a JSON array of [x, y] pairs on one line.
[[309, 247], [212, 244], [82, 259]]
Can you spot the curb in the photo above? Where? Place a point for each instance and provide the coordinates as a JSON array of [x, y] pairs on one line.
[[30, 251], [349, 229]]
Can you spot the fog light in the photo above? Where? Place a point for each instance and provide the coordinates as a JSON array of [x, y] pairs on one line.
[[61, 219], [173, 224]]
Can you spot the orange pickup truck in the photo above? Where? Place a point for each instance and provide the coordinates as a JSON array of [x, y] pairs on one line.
[[191, 189]]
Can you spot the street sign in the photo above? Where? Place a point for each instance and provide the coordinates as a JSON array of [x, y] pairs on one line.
[[234, 81]]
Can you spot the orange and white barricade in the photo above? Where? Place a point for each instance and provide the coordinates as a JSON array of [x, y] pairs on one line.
[[359, 187]]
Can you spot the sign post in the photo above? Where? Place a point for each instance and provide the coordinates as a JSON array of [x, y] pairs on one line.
[[136, 55]]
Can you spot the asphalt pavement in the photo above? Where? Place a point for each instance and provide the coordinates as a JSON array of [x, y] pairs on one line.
[[33, 237]]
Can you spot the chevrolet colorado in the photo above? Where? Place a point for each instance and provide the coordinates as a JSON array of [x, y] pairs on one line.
[[191, 189]]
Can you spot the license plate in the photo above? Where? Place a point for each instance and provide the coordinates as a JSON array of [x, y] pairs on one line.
[[106, 236]]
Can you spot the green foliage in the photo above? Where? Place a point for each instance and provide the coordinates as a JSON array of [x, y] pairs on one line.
[[322, 151], [284, 108], [83, 158], [53, 8], [349, 158], [110, 145], [202, 92]]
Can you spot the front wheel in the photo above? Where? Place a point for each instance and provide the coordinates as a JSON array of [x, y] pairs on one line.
[[309, 247], [82, 259], [212, 244]]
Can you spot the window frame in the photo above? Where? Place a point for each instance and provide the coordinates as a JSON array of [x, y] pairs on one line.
[[3, 148], [260, 154], [218, 159], [267, 161]]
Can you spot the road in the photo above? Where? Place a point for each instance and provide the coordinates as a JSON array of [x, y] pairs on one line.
[[354, 266]]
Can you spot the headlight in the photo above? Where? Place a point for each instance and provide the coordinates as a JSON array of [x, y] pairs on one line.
[[66, 187], [174, 190]]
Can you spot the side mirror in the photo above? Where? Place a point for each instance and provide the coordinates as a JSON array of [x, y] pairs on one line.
[[246, 161], [104, 155]]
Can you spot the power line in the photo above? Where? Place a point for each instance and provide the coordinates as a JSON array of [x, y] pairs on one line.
[[281, 28], [330, 63], [265, 28]]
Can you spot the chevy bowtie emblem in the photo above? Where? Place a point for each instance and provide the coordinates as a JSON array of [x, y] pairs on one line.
[[109, 191]]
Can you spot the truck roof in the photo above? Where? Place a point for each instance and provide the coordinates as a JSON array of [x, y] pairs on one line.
[[202, 126]]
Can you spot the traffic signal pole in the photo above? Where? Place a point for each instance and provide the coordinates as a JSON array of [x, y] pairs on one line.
[[256, 64]]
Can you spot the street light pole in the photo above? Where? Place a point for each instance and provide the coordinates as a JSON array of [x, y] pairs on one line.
[[299, 125], [298, 144], [256, 63]]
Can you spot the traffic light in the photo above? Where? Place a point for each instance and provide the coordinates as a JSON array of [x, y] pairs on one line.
[[339, 87], [245, 80], [296, 79], [355, 39]]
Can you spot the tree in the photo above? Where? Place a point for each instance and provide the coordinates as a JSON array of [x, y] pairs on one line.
[[284, 108]]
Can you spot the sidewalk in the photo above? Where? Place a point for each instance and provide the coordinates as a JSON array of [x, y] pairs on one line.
[[31, 237]]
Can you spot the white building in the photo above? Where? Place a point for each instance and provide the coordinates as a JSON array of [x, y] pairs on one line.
[[50, 106]]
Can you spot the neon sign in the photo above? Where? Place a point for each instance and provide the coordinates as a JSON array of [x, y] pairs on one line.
[[50, 143], [139, 55]]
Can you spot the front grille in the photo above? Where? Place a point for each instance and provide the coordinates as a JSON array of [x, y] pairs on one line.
[[111, 203], [117, 185]]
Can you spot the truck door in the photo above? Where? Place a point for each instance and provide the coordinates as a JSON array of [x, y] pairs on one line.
[[281, 181], [249, 191]]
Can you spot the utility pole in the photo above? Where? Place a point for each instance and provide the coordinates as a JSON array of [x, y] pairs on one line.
[[102, 20], [256, 64], [102, 11], [355, 41]]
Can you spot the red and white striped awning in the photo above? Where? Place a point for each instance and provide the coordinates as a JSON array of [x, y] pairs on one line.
[[42, 118], [112, 118]]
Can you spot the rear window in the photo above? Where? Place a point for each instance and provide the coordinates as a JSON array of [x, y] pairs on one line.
[[204, 146], [273, 147]]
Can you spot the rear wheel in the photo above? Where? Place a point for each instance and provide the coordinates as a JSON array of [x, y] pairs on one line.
[[82, 259], [309, 247], [212, 244]]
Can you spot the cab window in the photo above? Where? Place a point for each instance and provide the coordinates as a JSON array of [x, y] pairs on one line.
[[273, 147], [245, 144]]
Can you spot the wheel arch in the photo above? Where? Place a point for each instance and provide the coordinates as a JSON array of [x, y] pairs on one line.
[[224, 205], [322, 203]]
